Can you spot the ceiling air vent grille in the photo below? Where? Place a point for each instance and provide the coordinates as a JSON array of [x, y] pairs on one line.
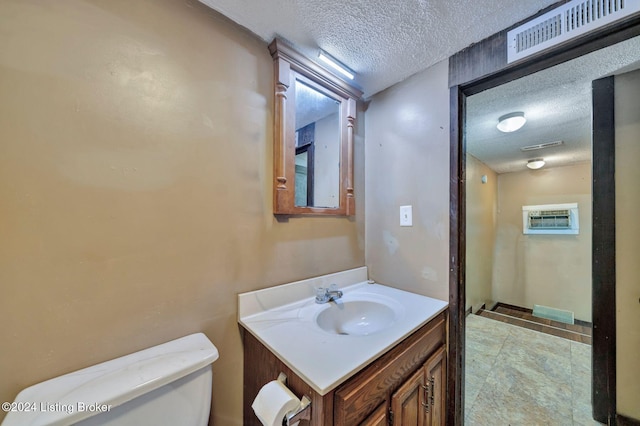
[[541, 146], [544, 31], [564, 23]]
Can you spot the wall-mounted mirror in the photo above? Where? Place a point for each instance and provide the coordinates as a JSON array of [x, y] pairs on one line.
[[315, 115]]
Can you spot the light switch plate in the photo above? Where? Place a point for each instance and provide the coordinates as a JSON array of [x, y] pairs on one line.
[[406, 216]]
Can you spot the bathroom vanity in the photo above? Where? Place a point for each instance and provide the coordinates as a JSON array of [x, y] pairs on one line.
[[388, 366]]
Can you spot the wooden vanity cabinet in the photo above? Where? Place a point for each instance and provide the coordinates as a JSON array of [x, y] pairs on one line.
[[378, 418], [408, 404], [405, 386], [421, 399], [357, 400], [436, 371]]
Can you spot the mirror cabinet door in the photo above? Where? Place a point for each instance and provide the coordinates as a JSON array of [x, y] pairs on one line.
[[313, 137]]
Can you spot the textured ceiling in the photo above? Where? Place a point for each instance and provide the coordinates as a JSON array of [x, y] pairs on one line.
[[386, 41], [557, 105], [383, 41]]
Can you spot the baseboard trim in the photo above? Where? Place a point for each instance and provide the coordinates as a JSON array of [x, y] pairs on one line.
[[582, 323], [626, 421], [530, 311], [513, 307]]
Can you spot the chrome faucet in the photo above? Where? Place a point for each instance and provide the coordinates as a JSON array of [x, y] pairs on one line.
[[325, 295]]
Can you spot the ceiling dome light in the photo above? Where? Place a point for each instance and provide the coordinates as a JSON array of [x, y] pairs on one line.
[[511, 122], [535, 164]]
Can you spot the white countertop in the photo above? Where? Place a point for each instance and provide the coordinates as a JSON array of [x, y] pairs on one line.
[[325, 360]]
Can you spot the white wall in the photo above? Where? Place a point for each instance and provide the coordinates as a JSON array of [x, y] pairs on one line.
[[407, 163]]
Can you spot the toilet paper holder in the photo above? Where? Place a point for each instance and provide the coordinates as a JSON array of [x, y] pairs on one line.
[[302, 413]]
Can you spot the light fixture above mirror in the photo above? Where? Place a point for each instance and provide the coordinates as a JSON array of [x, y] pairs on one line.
[[511, 122], [336, 65], [314, 119]]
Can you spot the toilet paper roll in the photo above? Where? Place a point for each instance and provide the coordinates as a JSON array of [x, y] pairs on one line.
[[273, 402]]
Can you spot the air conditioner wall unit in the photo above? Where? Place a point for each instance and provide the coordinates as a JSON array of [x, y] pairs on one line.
[[551, 219]]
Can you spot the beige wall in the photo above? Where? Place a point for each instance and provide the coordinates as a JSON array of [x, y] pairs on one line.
[[135, 187], [407, 163], [627, 119], [549, 270], [481, 208]]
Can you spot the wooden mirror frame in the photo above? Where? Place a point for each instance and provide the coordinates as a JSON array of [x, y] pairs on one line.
[[287, 64]]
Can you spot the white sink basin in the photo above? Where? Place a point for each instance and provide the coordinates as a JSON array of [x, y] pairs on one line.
[[325, 344], [358, 317]]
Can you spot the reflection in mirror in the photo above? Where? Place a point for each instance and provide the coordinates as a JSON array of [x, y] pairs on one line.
[[304, 175], [314, 120], [317, 132]]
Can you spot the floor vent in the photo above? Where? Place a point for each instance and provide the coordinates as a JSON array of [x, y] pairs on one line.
[[554, 314], [564, 23], [540, 146]]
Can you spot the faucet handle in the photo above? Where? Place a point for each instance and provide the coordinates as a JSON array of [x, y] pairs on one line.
[[320, 292], [333, 287]]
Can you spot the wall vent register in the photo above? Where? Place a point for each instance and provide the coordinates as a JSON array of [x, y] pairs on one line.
[[551, 219], [565, 22]]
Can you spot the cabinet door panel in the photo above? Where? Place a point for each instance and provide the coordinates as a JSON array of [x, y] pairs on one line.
[[378, 417], [436, 380], [358, 397], [407, 403]]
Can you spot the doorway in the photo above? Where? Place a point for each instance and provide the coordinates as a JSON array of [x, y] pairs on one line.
[[603, 274], [527, 377]]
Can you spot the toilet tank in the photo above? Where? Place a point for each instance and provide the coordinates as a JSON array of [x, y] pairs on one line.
[[168, 384]]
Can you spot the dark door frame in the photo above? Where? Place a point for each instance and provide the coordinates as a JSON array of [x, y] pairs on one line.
[[603, 259]]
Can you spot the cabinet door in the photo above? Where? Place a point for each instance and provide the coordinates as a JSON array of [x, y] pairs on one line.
[[436, 380], [408, 402], [378, 417], [357, 398]]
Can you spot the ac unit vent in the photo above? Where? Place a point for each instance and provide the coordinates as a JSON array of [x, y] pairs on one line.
[[540, 146], [539, 33], [550, 219], [564, 23]]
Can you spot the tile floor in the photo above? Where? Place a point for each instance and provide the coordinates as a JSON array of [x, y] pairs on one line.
[[516, 376]]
